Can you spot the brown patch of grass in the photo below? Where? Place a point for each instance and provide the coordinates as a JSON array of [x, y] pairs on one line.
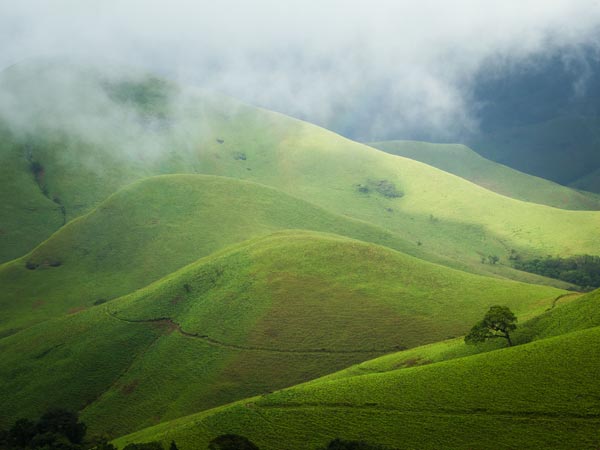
[[76, 309], [164, 326], [308, 313], [413, 362], [38, 304], [129, 388]]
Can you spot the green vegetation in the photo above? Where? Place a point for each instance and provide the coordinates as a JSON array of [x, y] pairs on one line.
[[340, 444], [149, 95], [589, 182], [382, 187], [189, 251], [149, 230], [61, 430], [464, 162], [545, 392], [568, 313], [231, 442], [56, 429], [546, 148], [300, 159], [262, 315], [581, 270], [498, 322]]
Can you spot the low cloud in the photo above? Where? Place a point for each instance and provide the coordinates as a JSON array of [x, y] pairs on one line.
[[369, 69]]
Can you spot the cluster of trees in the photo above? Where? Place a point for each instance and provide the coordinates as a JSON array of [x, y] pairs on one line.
[[59, 429], [56, 429], [582, 270], [491, 259]]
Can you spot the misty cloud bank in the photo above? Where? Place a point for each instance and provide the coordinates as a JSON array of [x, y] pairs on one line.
[[368, 69]]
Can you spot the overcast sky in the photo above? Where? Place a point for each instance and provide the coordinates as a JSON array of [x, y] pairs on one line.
[[409, 63]]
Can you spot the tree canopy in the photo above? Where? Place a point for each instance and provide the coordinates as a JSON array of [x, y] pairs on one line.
[[498, 322]]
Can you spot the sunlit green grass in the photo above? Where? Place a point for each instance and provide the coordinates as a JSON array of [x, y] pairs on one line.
[[268, 313], [464, 162], [445, 215], [540, 395], [149, 230]]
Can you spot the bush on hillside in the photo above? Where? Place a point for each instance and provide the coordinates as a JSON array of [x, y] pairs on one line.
[[339, 444], [145, 446], [382, 187]]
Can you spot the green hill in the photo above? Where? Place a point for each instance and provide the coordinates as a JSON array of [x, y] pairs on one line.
[[184, 131], [590, 182], [569, 313], [263, 315], [148, 230], [546, 393], [464, 162], [562, 148]]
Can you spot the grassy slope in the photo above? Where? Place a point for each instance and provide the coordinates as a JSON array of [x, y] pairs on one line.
[[590, 182], [88, 141], [27, 215], [149, 230], [570, 313], [269, 313], [448, 215], [545, 393], [546, 148], [464, 162]]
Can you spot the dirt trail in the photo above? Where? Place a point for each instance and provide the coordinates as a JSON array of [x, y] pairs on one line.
[[170, 324]]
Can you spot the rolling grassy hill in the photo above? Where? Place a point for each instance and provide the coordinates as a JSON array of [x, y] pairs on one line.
[[545, 392], [183, 131], [148, 230], [177, 251], [264, 314], [546, 148], [589, 182], [569, 313], [464, 162]]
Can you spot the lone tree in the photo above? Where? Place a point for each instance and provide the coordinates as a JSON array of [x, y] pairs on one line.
[[498, 322]]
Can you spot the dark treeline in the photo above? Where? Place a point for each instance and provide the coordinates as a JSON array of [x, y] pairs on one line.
[[59, 429], [581, 270], [56, 429]]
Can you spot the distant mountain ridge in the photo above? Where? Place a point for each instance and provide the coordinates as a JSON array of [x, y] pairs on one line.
[[542, 116]]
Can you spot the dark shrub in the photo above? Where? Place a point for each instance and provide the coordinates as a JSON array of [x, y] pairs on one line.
[[22, 432], [63, 422], [145, 446], [231, 442], [338, 444]]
